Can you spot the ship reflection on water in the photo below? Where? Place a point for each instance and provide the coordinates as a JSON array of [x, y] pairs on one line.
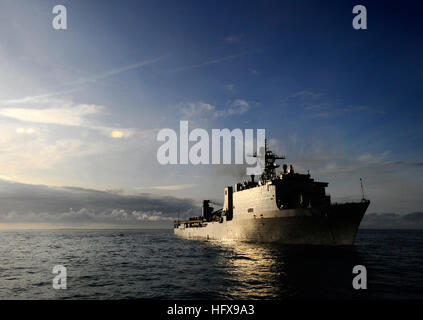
[[269, 271]]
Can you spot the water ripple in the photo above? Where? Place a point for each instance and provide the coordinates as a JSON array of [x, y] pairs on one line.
[[155, 264]]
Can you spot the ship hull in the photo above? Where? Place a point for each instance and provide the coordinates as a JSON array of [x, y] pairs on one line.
[[333, 225]]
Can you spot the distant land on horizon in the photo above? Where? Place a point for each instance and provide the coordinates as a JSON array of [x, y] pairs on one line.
[[412, 221]]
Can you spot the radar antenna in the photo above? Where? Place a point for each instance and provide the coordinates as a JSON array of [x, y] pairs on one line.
[[270, 164]]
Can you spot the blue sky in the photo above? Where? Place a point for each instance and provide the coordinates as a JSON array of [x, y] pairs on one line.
[[343, 103]]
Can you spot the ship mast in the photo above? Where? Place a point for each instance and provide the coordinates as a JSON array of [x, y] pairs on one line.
[[270, 164]]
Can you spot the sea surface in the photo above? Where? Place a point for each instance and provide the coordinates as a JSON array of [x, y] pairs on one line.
[[130, 264]]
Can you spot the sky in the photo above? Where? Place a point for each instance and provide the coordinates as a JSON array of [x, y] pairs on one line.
[[80, 108]]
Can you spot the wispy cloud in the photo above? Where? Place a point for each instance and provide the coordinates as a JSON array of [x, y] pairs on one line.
[[324, 111], [175, 187], [80, 82], [306, 94], [234, 38], [70, 115], [237, 106], [40, 97], [416, 164], [361, 109], [211, 62], [61, 111], [317, 106], [230, 87], [116, 71], [203, 111]]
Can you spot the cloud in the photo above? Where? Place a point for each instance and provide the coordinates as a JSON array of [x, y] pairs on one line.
[[49, 139], [205, 111], [27, 147], [81, 81], [69, 115], [415, 164], [326, 111], [64, 112], [36, 97], [86, 217], [197, 110], [369, 161], [238, 106], [113, 72], [235, 171], [207, 63], [175, 187], [412, 220], [316, 106], [305, 94], [360, 109], [70, 206], [234, 38], [311, 102]]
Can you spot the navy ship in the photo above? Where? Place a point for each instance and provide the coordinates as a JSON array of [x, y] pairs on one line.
[[289, 208]]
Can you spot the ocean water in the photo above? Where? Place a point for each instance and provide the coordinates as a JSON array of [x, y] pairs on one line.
[[128, 264]]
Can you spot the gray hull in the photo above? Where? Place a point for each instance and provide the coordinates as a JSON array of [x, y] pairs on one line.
[[333, 225]]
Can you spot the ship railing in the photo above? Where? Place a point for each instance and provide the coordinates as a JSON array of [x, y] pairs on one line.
[[357, 200]]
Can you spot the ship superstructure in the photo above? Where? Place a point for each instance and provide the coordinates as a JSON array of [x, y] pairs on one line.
[[288, 207]]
